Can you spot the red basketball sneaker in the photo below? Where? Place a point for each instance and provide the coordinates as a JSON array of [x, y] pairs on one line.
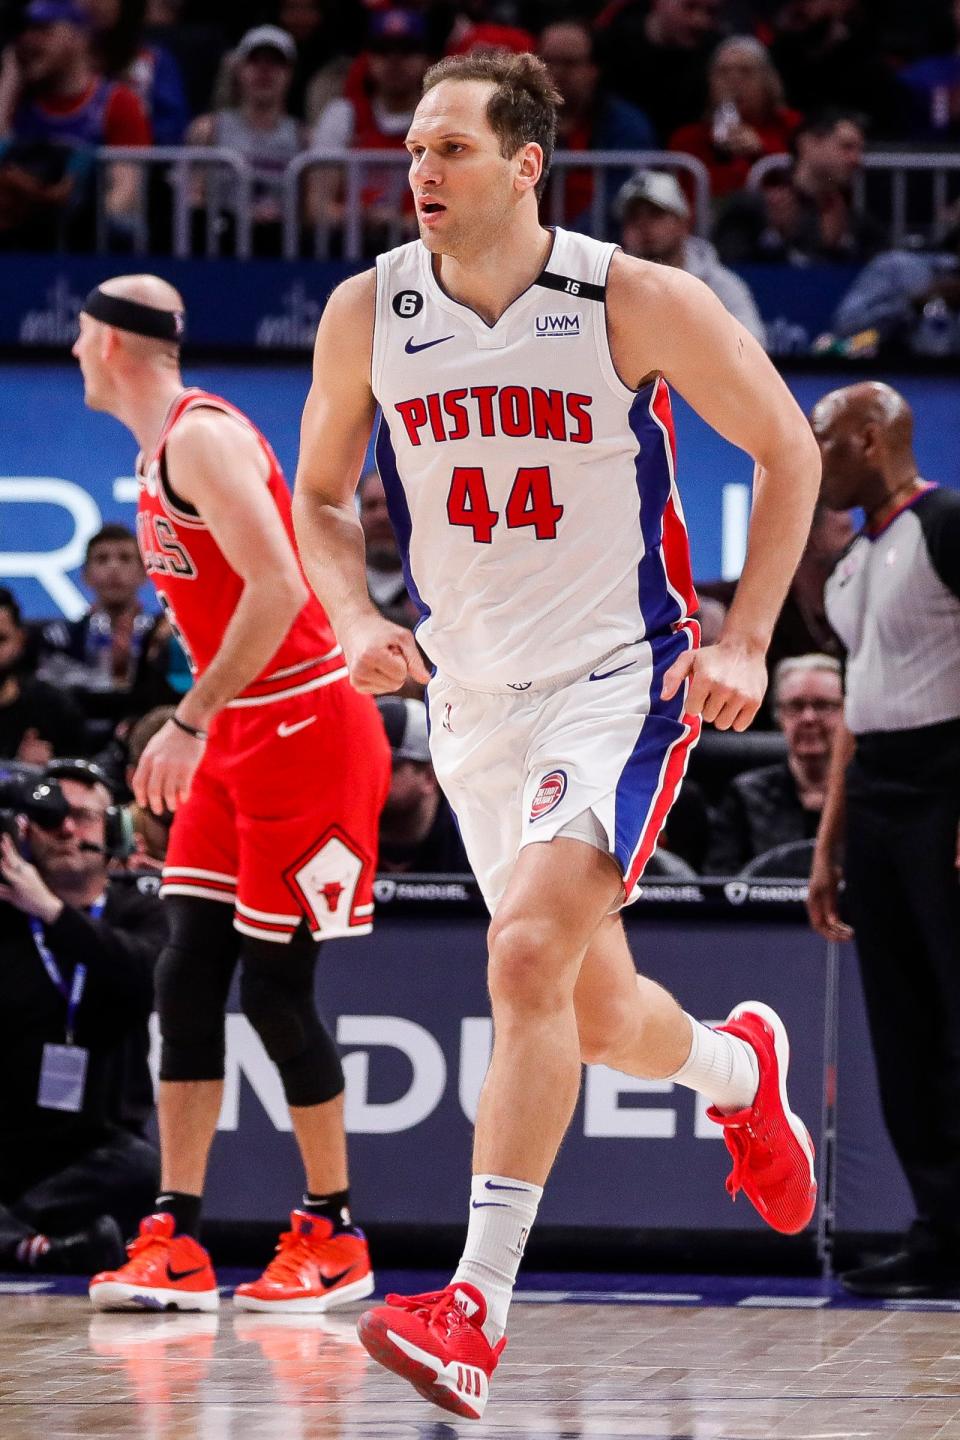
[[313, 1269], [436, 1341], [771, 1147], [164, 1272]]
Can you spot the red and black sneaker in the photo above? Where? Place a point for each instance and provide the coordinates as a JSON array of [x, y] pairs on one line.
[[315, 1268], [436, 1341], [771, 1147], [163, 1271]]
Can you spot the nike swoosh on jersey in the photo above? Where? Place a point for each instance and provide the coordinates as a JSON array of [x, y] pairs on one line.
[[283, 729], [175, 1275], [334, 1279], [605, 674], [412, 348]]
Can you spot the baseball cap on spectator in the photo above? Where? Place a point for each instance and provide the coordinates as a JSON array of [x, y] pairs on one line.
[[484, 36], [53, 12], [405, 722], [397, 31], [657, 188], [267, 37]]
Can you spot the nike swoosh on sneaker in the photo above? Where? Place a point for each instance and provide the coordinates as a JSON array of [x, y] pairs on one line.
[[283, 729], [334, 1279], [175, 1275], [411, 347]]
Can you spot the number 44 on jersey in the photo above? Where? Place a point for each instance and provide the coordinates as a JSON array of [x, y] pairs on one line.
[[530, 503]]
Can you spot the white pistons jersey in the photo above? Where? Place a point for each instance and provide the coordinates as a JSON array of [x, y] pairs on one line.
[[532, 492]]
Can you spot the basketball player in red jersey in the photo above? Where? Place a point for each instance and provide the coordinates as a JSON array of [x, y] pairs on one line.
[[276, 769]]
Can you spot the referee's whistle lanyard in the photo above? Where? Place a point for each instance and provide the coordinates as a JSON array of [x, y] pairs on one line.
[[72, 993]]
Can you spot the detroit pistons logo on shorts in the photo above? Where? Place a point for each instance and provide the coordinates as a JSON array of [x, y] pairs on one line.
[[550, 792]]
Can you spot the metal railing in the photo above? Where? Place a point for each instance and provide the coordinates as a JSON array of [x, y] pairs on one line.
[[348, 233], [898, 167], [177, 164], [608, 169], [355, 171]]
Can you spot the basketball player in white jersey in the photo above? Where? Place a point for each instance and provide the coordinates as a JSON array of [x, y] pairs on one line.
[[526, 450]]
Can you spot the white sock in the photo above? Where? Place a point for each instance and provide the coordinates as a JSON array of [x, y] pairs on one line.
[[501, 1214], [722, 1067]]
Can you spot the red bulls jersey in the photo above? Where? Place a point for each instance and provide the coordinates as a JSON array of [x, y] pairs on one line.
[[198, 588]]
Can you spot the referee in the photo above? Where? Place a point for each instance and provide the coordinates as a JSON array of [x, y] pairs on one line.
[[893, 805]]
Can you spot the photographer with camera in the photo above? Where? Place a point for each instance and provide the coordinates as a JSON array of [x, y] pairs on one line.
[[76, 991]]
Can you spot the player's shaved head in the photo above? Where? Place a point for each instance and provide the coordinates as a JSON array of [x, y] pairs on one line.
[[128, 345], [146, 289], [160, 295], [865, 434]]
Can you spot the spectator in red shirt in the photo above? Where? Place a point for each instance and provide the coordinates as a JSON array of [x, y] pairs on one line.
[[62, 106], [62, 98], [149, 68], [383, 89], [746, 118]]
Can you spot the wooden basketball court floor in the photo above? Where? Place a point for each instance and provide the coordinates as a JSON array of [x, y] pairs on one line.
[[645, 1359]]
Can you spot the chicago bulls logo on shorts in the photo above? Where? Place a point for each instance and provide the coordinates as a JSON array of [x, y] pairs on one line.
[[550, 792], [325, 881]]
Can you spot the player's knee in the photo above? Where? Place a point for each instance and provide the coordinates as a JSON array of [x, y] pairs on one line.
[[276, 995], [190, 1005], [277, 1002], [526, 966]]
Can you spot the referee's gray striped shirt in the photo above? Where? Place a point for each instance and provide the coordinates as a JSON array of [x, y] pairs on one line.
[[894, 601]]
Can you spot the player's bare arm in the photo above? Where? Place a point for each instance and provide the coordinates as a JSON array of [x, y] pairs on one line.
[[216, 464], [334, 432], [665, 321]]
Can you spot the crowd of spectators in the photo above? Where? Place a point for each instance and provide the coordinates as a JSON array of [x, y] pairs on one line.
[[806, 83]]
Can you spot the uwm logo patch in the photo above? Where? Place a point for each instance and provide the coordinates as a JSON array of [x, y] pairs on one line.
[[550, 792], [557, 325]]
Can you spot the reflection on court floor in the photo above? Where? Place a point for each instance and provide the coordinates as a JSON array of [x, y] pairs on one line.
[[603, 1358]]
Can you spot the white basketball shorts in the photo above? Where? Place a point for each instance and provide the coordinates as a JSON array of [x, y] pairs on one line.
[[521, 767]]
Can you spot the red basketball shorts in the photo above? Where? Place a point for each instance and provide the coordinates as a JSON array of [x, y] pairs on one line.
[[281, 820]]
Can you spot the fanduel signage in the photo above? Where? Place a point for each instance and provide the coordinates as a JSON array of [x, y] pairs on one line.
[[410, 1010]]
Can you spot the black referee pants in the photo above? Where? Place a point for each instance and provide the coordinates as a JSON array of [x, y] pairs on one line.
[[117, 1174], [903, 901]]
